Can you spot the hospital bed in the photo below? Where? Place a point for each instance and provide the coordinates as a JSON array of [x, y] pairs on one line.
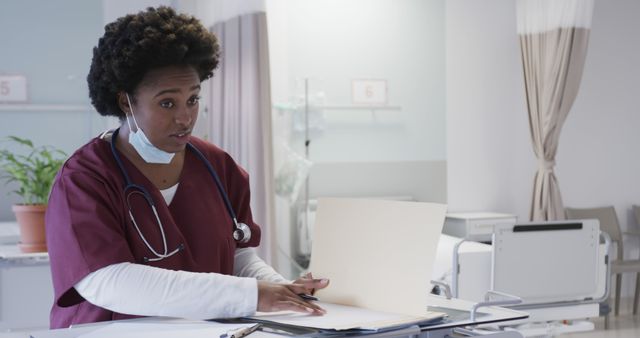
[[559, 269]]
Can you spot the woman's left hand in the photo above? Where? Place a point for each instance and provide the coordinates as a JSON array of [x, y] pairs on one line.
[[312, 284]]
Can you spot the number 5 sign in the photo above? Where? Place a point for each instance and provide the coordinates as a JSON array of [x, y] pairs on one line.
[[13, 88]]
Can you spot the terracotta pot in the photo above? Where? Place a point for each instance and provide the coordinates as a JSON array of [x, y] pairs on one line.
[[31, 221]]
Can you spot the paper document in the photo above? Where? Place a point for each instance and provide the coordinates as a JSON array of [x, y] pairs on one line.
[[342, 317], [162, 330], [378, 254]]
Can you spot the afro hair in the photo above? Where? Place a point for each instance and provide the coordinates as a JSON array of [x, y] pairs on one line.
[[137, 43]]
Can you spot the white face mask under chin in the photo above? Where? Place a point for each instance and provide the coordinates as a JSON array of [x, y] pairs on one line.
[[144, 147]]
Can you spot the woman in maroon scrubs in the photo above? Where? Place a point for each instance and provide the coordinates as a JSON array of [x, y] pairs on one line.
[[141, 219]]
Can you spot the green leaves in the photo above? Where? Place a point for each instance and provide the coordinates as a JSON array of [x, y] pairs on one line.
[[34, 172], [23, 141]]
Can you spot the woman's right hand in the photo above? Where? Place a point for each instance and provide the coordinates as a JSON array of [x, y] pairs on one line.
[[283, 297]]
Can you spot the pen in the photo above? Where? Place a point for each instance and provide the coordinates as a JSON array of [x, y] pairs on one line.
[[243, 332], [307, 297]]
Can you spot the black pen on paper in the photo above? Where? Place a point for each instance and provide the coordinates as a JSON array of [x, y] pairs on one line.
[[307, 297]]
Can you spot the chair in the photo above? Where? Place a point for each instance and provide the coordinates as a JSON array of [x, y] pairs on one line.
[[609, 224], [636, 213]]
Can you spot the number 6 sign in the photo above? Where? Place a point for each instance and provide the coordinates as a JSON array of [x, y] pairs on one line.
[[369, 92]]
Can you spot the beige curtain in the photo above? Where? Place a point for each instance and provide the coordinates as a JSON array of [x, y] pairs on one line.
[[554, 35], [240, 117]]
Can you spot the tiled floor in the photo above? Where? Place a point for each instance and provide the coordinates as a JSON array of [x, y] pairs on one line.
[[626, 325]]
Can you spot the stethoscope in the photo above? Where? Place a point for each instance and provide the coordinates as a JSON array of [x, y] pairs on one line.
[[241, 233]]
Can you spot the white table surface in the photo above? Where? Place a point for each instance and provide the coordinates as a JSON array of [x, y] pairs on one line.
[[491, 314]]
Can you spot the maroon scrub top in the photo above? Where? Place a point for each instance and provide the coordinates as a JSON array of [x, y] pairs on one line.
[[88, 225]]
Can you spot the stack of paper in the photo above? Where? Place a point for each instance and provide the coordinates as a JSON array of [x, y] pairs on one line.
[[346, 318]]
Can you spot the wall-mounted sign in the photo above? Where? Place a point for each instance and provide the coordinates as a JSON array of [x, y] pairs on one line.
[[13, 88], [369, 92]]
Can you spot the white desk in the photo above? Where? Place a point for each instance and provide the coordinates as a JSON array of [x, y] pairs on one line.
[[489, 315], [26, 291]]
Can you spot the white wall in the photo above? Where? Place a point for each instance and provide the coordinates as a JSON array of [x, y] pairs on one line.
[[113, 9], [212, 11], [53, 53], [601, 139], [490, 160], [486, 116], [333, 42]]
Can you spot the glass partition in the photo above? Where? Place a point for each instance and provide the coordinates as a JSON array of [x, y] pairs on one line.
[[359, 105]]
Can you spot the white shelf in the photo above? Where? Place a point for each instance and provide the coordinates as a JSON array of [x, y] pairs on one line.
[[75, 108], [367, 108], [371, 108], [11, 253]]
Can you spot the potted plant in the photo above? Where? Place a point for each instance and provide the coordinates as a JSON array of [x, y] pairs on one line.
[[34, 173]]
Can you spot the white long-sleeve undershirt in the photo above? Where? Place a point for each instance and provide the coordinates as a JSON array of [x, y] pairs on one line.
[[149, 291], [248, 264]]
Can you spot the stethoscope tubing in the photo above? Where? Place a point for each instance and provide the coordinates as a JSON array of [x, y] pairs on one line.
[[216, 179], [139, 189]]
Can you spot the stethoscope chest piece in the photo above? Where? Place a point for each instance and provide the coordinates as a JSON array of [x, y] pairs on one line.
[[242, 233]]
